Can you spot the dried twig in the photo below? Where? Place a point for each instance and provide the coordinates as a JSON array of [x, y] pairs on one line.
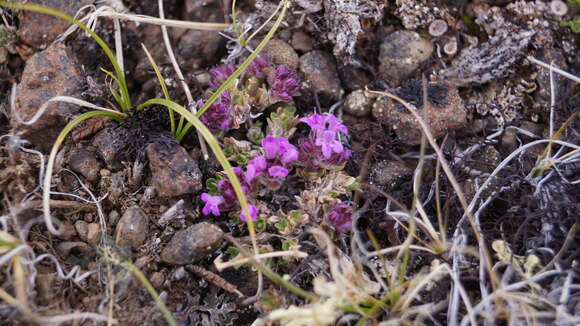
[[214, 279]]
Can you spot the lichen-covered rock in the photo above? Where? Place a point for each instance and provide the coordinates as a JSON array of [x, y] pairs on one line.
[[444, 111], [38, 30], [192, 244], [489, 61], [401, 54], [321, 77], [387, 175], [173, 171], [52, 72], [359, 103]]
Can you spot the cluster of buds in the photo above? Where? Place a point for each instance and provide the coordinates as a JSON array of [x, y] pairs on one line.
[[262, 85], [323, 148], [339, 217]]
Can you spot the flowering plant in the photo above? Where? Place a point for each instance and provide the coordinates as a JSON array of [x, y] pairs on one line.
[[262, 85]]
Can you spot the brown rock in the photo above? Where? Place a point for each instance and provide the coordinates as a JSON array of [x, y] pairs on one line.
[[192, 244], [82, 229], [52, 72], [173, 171], [301, 41], [401, 54], [132, 228], [282, 53], [38, 30], [319, 70], [445, 111], [94, 234], [85, 162]]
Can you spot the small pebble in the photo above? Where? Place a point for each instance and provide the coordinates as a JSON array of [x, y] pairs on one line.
[[192, 244], [132, 229]]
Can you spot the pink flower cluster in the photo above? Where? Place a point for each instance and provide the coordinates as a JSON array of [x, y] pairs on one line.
[[323, 148], [269, 169]]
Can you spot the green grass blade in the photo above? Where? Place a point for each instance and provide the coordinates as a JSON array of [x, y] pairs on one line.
[[126, 100], [163, 86], [55, 147], [223, 87]]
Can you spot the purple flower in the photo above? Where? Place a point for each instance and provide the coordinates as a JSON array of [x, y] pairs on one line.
[[328, 143], [279, 148], [220, 74], [278, 171], [253, 212], [324, 147], [312, 158], [255, 168], [340, 218], [211, 204], [283, 83], [258, 66], [320, 123], [219, 115]]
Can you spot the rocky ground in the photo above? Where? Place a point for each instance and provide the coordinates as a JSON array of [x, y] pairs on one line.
[[467, 66]]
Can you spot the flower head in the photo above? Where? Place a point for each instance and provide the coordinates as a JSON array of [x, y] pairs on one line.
[[253, 212], [279, 148], [324, 147], [219, 115], [212, 204], [283, 83], [220, 74], [340, 217], [278, 171], [255, 168], [258, 66]]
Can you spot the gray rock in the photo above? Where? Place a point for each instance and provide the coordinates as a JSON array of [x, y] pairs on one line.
[[132, 228], [199, 48], [359, 103], [192, 244], [85, 162], [401, 54], [319, 70], [173, 171], [52, 72], [282, 53]]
